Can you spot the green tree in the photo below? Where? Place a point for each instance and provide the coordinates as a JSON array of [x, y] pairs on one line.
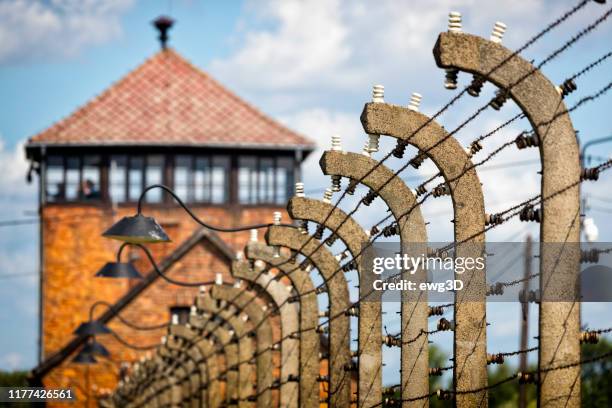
[[597, 376]]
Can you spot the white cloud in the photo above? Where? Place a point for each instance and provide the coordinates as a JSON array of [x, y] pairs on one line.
[[31, 29], [14, 167], [11, 361], [17, 243], [306, 46]]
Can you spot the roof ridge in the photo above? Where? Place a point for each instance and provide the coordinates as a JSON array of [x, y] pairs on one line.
[[169, 100]]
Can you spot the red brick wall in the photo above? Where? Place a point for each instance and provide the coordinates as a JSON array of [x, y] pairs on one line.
[[74, 251]]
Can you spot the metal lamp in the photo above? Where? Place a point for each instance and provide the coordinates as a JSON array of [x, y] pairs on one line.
[[119, 270], [137, 230], [91, 328]]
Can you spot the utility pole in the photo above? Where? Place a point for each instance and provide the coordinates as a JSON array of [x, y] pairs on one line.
[[524, 323]]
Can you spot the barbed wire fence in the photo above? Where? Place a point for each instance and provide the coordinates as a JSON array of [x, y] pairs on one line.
[[191, 347]]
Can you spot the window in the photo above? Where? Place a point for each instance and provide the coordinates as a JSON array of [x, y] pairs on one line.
[[117, 177], [284, 179], [202, 179], [56, 189], [220, 179], [182, 312], [90, 179], [73, 178], [135, 177], [264, 180], [154, 175], [247, 180]]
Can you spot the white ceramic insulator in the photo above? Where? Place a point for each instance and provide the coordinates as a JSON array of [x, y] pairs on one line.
[[454, 22], [468, 151], [415, 101], [327, 195], [378, 94], [299, 189], [164, 340], [373, 143], [218, 279], [276, 217], [175, 319], [259, 264], [202, 289], [366, 149], [254, 235], [308, 268], [276, 253], [193, 311], [498, 32], [336, 143], [238, 283]]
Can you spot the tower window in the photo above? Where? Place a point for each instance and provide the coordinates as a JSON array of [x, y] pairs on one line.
[[73, 178], [129, 175], [202, 179], [264, 180]]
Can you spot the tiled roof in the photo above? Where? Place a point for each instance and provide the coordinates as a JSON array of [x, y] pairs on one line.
[[169, 101]]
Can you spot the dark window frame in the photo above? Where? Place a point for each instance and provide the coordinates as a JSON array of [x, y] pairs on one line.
[[231, 190], [79, 199], [254, 182]]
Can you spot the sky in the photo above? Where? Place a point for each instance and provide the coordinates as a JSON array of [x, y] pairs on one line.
[[309, 64]]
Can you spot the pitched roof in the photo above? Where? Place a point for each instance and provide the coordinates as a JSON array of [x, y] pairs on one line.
[[169, 101]]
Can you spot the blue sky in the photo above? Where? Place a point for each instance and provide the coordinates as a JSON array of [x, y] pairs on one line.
[[308, 64]]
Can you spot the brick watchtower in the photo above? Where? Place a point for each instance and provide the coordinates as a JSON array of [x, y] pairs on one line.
[[165, 122]]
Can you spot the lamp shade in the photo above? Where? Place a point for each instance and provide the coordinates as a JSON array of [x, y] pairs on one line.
[[91, 328], [137, 230], [119, 270], [95, 348], [84, 358]]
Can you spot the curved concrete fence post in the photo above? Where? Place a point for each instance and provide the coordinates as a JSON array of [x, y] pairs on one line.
[[257, 315], [416, 129], [229, 350], [290, 357], [369, 388], [172, 395], [208, 367], [413, 238], [206, 304], [560, 157], [190, 341], [180, 372], [339, 302], [308, 308]]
